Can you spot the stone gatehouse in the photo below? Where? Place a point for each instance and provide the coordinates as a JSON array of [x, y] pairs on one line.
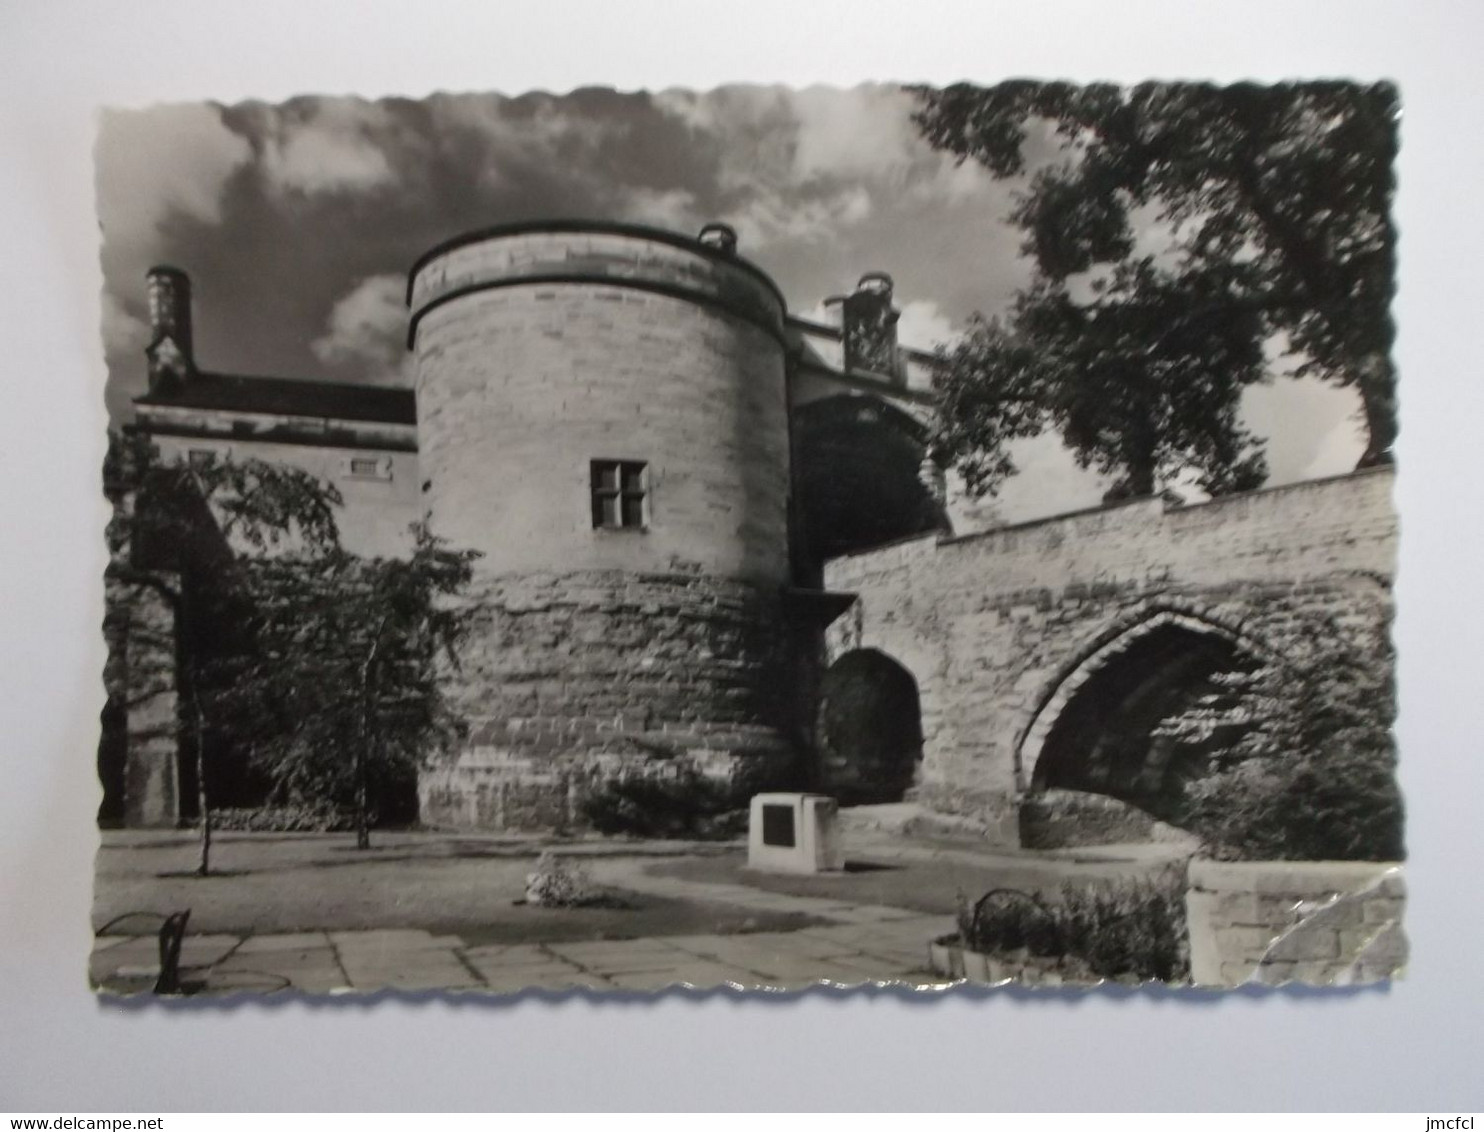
[[711, 535]]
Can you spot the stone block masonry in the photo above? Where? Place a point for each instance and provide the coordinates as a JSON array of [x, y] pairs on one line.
[[999, 630], [520, 389], [573, 681], [1331, 922], [538, 353]]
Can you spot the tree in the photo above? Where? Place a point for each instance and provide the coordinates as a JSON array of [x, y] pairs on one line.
[[172, 531], [342, 694], [1143, 389], [1273, 203]]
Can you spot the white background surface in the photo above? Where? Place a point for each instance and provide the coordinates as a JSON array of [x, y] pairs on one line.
[[1415, 1046]]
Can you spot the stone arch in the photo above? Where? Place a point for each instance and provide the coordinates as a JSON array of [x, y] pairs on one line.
[[868, 729], [1113, 691], [863, 476]]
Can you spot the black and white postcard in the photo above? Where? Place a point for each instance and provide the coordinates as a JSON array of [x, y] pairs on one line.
[[758, 537]]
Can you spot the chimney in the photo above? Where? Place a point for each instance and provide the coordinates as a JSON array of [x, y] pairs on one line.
[[870, 325], [170, 353], [721, 237]]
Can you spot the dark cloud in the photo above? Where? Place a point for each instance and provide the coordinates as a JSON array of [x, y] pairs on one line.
[[279, 212], [295, 219]]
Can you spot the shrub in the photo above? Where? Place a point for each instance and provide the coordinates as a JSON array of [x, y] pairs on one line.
[[1130, 929], [682, 803], [1006, 919], [1133, 929], [1311, 773], [559, 883], [1335, 804], [300, 818]]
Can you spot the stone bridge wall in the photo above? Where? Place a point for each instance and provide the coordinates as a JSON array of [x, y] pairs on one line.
[[995, 627]]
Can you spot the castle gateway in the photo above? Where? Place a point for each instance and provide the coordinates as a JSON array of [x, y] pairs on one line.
[[712, 537]]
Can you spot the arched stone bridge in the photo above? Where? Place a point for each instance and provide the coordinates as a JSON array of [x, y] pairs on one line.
[[1040, 652]]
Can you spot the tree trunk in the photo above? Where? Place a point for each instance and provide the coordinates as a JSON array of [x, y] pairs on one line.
[[1377, 388], [363, 828], [363, 823], [1140, 480], [198, 721], [363, 801]]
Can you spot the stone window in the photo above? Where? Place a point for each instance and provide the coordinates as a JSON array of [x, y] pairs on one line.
[[620, 490], [370, 468]]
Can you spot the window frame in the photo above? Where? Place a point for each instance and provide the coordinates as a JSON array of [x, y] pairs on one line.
[[618, 483], [380, 470]]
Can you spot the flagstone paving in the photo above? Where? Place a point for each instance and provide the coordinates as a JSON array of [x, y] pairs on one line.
[[862, 944], [765, 938]]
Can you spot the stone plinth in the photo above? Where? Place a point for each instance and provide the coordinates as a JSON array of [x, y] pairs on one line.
[[794, 833]]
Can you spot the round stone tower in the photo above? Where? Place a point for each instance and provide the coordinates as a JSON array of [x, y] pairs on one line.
[[602, 415]]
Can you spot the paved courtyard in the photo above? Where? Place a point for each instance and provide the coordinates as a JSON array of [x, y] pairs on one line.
[[430, 912], [400, 959]]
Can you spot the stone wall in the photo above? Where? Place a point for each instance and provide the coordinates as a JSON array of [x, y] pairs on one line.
[[573, 680], [140, 677], [521, 387], [998, 629], [378, 507], [1311, 921]]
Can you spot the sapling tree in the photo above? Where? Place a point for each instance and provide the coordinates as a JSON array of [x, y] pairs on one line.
[[176, 530], [346, 679]]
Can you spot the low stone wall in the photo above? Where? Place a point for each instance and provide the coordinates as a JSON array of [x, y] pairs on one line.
[[1326, 922]]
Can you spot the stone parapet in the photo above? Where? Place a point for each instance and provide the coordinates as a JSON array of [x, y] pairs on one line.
[[1274, 922], [620, 255]]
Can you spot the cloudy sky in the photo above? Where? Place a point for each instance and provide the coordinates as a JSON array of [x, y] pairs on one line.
[[297, 223]]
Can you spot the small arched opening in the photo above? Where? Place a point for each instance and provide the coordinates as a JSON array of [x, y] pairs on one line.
[[1110, 727], [868, 736]]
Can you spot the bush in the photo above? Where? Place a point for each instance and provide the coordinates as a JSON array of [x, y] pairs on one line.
[[1331, 805], [559, 883], [1006, 919], [1311, 774], [680, 804], [1132, 929], [1135, 929], [301, 818]]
